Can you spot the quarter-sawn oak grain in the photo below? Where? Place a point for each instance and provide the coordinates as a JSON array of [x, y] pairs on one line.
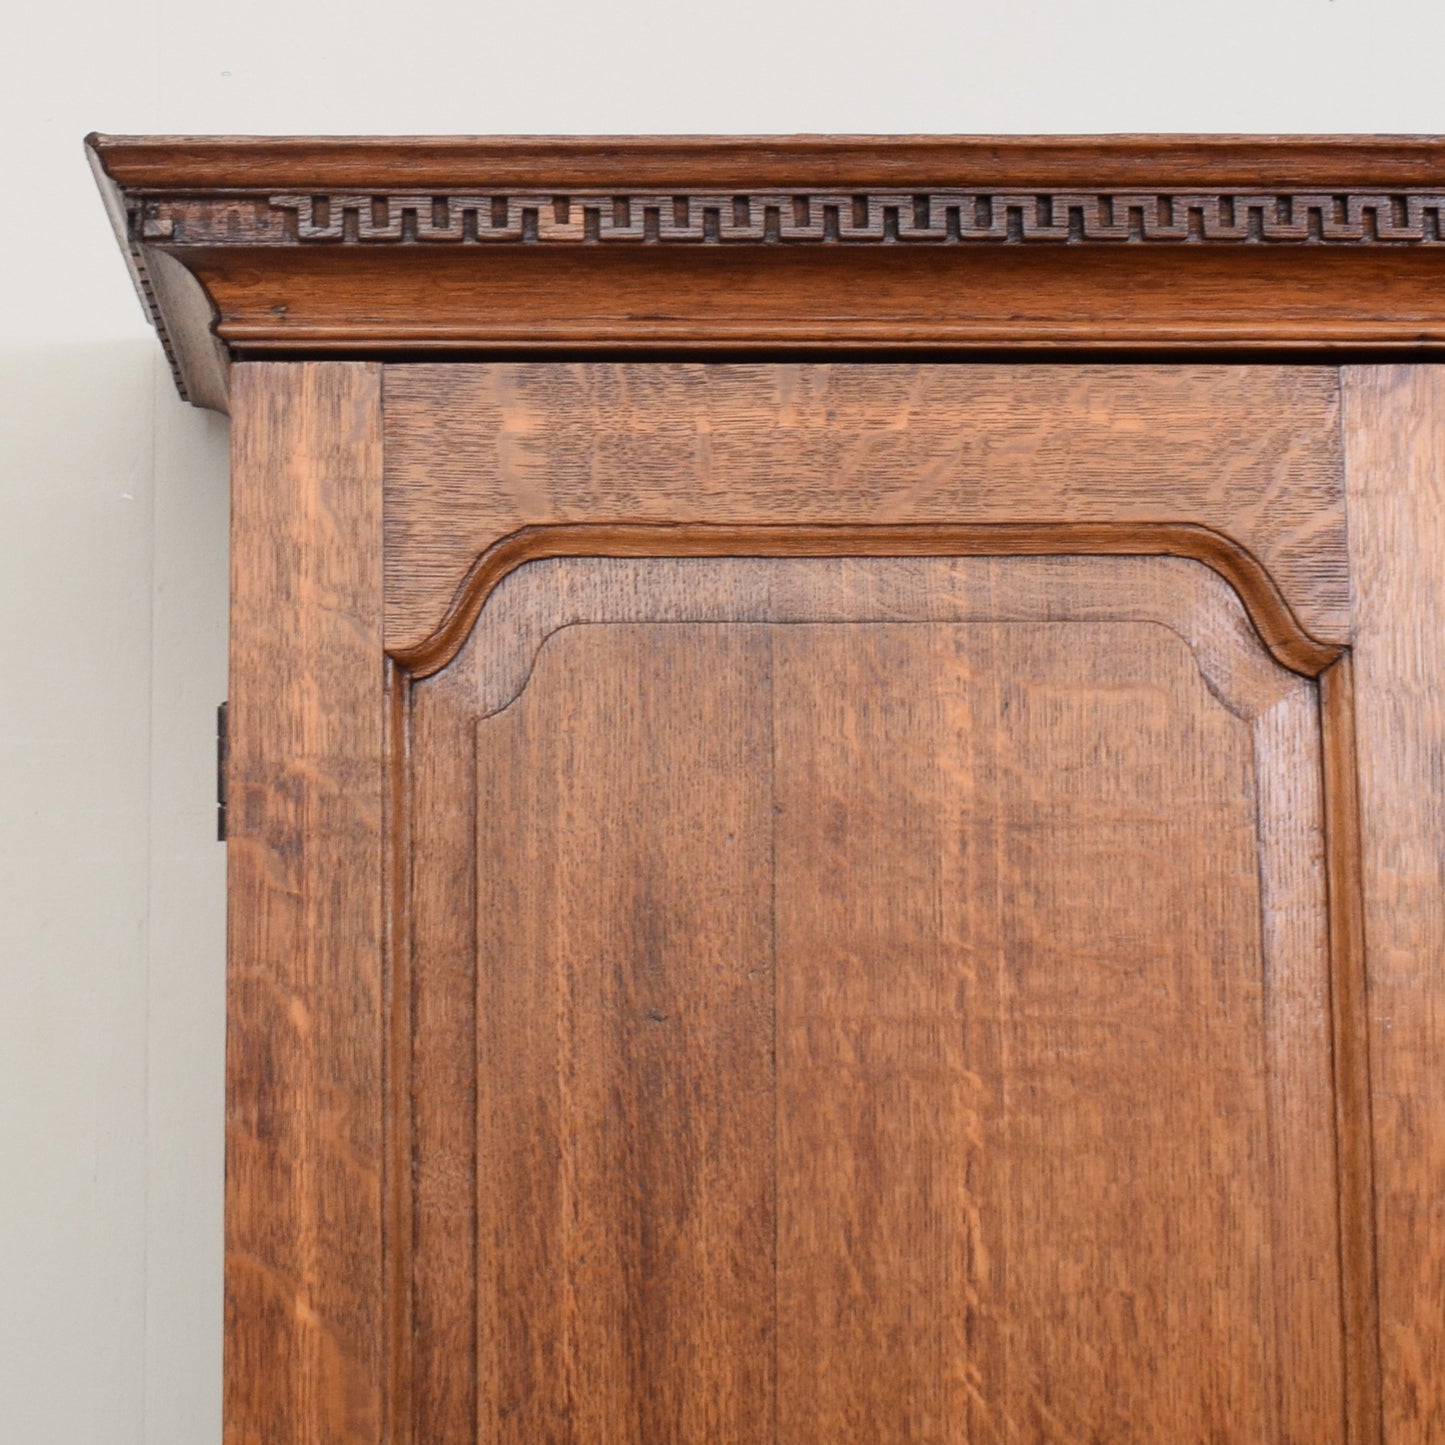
[[701, 1284], [1007, 1051], [1248, 455], [624, 1053], [1085, 1086], [1395, 451], [306, 1309]]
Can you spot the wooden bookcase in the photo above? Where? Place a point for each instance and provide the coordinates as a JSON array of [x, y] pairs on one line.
[[836, 805]]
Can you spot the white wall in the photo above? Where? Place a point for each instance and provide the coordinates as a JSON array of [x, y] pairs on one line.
[[112, 520]]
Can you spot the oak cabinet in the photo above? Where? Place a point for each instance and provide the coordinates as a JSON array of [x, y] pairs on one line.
[[786, 894]]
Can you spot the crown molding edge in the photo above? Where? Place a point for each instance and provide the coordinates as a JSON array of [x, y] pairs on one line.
[[259, 247]]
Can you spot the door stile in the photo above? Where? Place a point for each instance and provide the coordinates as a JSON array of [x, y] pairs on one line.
[[306, 1338], [1394, 437]]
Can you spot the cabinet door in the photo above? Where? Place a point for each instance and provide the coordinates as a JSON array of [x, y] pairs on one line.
[[798, 904]]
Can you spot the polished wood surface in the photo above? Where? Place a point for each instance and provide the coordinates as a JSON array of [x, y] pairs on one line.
[[1155, 299], [831, 976], [305, 1298], [882, 900], [1350, 1005], [487, 465], [1128, 162], [777, 962], [902, 1010], [1395, 448], [250, 247], [625, 1150]]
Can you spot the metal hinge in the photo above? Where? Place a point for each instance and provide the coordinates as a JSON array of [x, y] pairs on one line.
[[223, 755]]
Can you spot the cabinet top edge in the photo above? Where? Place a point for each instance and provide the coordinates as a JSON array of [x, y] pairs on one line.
[[776, 247], [165, 163]]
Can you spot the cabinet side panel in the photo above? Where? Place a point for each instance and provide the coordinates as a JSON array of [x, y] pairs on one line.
[[1395, 459], [304, 1299]]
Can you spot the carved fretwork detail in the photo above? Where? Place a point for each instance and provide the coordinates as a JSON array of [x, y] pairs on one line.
[[268, 249], [937, 217]]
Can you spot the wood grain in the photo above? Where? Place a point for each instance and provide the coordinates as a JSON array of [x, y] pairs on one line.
[[543, 597], [436, 1033], [477, 453], [1309, 1098], [1029, 852], [305, 1311], [905, 995], [1097, 243], [1395, 451], [161, 163], [751, 1224], [1023, 1049], [1350, 1002], [625, 1163], [1160, 299]]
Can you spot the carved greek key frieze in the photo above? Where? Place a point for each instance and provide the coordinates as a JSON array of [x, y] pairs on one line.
[[937, 217], [253, 249]]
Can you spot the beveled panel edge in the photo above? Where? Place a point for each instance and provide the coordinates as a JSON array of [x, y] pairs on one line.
[[1350, 1022], [1358, 1356], [279, 239], [1188, 598], [1278, 628]]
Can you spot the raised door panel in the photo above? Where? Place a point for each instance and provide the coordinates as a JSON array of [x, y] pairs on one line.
[[810, 903], [877, 999]]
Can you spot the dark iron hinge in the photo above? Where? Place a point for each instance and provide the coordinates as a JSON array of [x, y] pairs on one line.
[[223, 755]]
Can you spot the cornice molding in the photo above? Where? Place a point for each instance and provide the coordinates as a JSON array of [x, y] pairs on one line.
[[154, 164], [267, 248], [937, 217]]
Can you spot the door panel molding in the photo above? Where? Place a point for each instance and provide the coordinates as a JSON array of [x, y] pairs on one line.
[[479, 458], [1313, 1008], [1274, 622]]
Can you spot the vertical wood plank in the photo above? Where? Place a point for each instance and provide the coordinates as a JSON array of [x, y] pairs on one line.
[[304, 1350], [886, 1077], [1317, 1377], [1351, 1028], [438, 1256], [1037, 1178], [1394, 427], [625, 1159]]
